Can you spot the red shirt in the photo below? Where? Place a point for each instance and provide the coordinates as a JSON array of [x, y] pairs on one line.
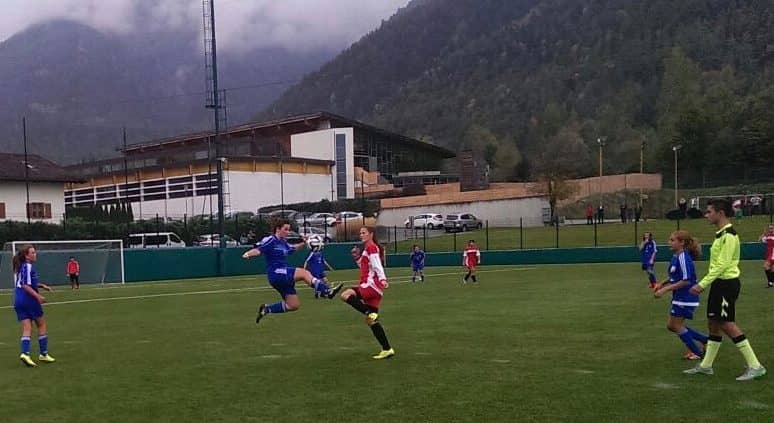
[[73, 267], [371, 269], [472, 256], [769, 241]]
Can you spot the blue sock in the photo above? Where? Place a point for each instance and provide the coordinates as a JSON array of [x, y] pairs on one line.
[[413, 279], [697, 335], [276, 307], [688, 341], [25, 345], [43, 342], [651, 277], [319, 286]]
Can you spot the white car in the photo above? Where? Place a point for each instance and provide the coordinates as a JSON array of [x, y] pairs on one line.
[[213, 240], [316, 219], [427, 220], [349, 218]]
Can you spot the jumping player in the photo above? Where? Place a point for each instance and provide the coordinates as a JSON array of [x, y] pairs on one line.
[[281, 276], [367, 296], [768, 260], [28, 304], [73, 271], [316, 265], [682, 276], [648, 252], [470, 259], [417, 264]]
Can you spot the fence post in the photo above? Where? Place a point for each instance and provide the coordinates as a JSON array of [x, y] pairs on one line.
[[678, 223], [521, 233], [487, 235], [556, 223], [346, 235], [157, 229], [455, 241], [395, 237], [595, 233], [635, 232], [424, 238]]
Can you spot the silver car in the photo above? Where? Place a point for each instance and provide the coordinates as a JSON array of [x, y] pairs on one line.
[[461, 222]]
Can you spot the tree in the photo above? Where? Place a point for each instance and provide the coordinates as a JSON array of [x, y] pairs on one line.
[[501, 155]]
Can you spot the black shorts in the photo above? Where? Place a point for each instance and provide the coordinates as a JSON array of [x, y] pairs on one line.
[[73, 278], [721, 305]]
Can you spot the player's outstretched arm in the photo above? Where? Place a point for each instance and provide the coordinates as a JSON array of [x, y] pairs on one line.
[[46, 287], [251, 253]]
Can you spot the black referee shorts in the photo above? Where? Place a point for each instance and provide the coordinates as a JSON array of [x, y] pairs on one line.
[[721, 305]]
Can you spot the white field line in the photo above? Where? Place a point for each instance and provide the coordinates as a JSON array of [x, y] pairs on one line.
[[400, 280]]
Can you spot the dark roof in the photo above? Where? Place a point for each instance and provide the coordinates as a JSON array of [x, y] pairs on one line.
[[38, 169], [336, 121]]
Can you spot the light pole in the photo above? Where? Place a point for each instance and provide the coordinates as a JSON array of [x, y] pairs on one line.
[[642, 168], [601, 142], [675, 149]]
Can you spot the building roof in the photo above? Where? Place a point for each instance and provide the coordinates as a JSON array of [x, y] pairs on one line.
[[305, 120], [38, 169]]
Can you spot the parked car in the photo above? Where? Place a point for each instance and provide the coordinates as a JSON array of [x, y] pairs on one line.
[[280, 214], [305, 231], [213, 240], [315, 219], [155, 240], [294, 238], [239, 214], [349, 217], [428, 220], [461, 222]]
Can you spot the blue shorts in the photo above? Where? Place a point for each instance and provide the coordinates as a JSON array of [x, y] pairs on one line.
[[319, 275], [29, 311], [686, 312], [418, 267], [283, 280]]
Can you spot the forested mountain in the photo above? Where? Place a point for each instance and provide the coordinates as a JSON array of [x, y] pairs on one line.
[[78, 86], [532, 84]]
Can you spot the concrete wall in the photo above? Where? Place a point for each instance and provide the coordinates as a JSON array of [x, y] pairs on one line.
[[497, 212], [321, 145], [14, 195]]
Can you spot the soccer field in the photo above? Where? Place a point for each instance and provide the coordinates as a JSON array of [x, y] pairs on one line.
[[542, 343]]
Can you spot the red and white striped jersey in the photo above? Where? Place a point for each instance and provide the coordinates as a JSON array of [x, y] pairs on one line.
[[769, 241], [471, 256], [371, 269]]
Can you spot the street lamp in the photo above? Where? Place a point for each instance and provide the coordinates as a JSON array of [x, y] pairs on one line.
[[642, 167], [601, 142], [675, 149]]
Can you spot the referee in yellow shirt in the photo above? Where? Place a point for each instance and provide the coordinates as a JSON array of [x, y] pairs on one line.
[[723, 276]]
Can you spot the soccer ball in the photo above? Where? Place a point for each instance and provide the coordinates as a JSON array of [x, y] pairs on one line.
[[315, 242]]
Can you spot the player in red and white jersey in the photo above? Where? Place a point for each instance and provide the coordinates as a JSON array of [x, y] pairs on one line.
[[471, 258], [768, 261], [367, 296]]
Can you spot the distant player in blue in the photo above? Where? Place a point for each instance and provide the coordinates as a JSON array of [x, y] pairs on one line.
[[316, 265], [682, 276], [417, 264], [648, 252], [28, 304], [281, 276]]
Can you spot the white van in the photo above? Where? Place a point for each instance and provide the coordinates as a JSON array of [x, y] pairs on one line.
[[155, 240]]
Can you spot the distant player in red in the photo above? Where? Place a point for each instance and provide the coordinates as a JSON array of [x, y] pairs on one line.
[[768, 261], [367, 296], [74, 271], [470, 259]]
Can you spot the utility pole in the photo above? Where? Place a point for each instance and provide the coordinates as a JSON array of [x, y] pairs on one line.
[[26, 172]]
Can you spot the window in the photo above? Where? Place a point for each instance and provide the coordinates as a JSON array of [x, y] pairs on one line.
[[2, 210], [341, 165], [39, 210]]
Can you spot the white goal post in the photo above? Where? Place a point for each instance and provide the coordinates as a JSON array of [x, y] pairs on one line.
[[101, 261]]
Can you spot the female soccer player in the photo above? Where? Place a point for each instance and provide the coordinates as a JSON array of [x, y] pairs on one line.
[[73, 271], [768, 260], [27, 303], [316, 265], [281, 276], [682, 276], [470, 259], [417, 264], [367, 297], [648, 257]]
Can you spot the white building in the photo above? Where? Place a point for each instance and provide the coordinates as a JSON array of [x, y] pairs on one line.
[[46, 182], [304, 158]]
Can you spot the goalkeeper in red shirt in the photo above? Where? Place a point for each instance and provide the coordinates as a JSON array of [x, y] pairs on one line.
[[73, 271]]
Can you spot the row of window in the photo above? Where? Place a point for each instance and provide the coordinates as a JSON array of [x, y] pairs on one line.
[[34, 210]]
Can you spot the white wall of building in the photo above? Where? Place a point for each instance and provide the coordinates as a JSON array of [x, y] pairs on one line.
[[321, 145], [248, 191], [497, 212], [14, 195]]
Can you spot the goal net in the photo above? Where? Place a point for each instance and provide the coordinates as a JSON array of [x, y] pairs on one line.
[[100, 261]]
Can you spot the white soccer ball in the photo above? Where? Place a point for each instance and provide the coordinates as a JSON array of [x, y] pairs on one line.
[[315, 241]]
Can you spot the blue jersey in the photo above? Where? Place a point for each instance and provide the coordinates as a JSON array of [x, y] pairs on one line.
[[25, 276], [648, 251], [316, 263], [275, 250], [417, 257], [681, 268]]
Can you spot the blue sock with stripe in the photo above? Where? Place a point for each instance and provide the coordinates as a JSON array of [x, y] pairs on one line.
[[687, 339], [276, 308], [25, 345], [319, 286], [43, 343], [697, 335], [652, 277]]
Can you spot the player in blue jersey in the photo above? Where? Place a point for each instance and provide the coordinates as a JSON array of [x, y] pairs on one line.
[[418, 264], [648, 258], [682, 276], [283, 277], [27, 303], [315, 263]]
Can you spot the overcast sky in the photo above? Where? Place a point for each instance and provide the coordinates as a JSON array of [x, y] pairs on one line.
[[241, 24]]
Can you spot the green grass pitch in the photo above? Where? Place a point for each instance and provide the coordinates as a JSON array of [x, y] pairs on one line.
[[541, 343]]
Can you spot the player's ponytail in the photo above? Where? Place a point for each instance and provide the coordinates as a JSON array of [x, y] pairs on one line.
[[382, 255], [690, 244], [20, 257]]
